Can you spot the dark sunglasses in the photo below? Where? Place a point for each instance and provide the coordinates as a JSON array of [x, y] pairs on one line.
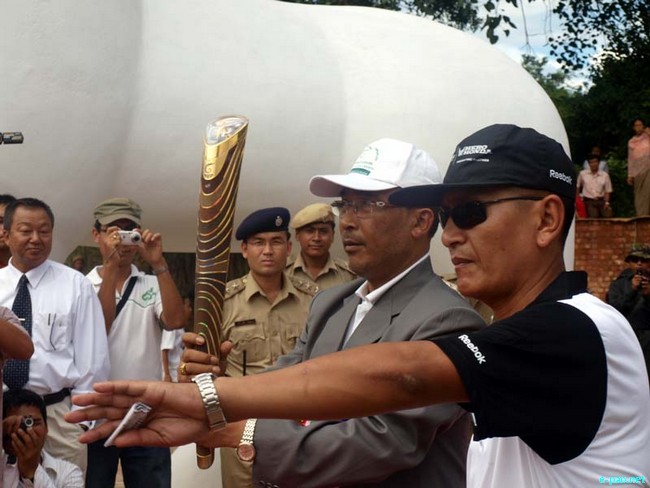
[[470, 214], [636, 260]]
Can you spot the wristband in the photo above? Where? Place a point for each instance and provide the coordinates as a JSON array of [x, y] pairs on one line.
[[159, 271]]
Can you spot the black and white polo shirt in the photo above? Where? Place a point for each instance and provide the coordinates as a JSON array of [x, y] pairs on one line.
[[559, 393]]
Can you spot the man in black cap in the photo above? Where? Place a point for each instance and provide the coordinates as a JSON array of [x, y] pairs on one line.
[[629, 293], [263, 313], [556, 384]]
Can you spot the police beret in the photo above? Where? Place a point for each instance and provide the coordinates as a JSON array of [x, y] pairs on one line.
[[274, 219], [316, 212]]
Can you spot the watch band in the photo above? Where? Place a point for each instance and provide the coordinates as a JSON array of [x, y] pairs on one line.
[[246, 449], [249, 432], [205, 382]]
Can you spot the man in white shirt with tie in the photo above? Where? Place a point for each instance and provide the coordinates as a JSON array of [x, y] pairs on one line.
[[65, 321]]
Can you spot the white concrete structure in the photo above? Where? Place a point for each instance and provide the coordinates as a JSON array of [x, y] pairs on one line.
[[113, 97]]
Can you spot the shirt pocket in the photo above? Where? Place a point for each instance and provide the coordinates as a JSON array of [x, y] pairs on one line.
[[290, 333], [51, 331], [249, 338]]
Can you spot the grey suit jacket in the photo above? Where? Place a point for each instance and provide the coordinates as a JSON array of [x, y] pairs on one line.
[[423, 447]]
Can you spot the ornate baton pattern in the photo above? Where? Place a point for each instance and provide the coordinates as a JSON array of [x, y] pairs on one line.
[[223, 150]]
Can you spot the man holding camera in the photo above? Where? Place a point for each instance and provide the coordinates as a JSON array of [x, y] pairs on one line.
[[136, 309], [26, 463], [629, 293]]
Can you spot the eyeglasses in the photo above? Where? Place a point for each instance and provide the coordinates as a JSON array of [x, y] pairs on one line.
[[363, 209], [470, 214]]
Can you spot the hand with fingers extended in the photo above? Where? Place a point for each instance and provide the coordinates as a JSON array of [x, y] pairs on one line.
[[177, 417], [194, 361]]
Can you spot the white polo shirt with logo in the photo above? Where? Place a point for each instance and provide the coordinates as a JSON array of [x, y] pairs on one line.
[[134, 339]]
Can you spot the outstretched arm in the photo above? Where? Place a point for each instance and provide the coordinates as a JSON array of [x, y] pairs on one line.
[[354, 383]]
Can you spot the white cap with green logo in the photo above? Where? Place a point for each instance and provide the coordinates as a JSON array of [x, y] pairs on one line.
[[382, 165]]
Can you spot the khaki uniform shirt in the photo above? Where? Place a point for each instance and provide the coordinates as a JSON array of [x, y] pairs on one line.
[[335, 272], [263, 330]]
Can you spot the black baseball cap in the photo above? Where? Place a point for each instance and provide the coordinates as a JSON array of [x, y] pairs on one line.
[[499, 155]]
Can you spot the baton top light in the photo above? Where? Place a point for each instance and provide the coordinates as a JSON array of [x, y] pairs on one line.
[[223, 128]]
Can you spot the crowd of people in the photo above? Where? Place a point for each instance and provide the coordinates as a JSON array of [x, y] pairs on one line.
[[369, 371], [594, 196]]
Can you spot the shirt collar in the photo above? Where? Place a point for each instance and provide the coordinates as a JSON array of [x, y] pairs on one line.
[[34, 275], [299, 263], [566, 285], [374, 295]]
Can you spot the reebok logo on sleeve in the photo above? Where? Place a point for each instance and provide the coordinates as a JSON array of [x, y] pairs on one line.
[[470, 345]]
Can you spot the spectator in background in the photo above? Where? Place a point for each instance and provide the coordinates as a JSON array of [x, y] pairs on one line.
[[602, 163], [60, 310], [596, 189], [78, 263], [5, 253], [629, 293], [136, 309], [27, 463], [314, 227], [638, 166]]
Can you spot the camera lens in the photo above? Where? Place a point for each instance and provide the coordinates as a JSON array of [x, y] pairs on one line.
[[136, 237], [27, 423]]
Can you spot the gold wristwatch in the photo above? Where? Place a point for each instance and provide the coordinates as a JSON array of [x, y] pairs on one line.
[[205, 382], [246, 449]]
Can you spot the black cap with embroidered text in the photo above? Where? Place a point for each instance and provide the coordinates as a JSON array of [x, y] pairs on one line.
[[499, 155], [274, 219]]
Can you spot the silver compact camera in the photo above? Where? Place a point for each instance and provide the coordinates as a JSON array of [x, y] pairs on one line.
[[130, 238]]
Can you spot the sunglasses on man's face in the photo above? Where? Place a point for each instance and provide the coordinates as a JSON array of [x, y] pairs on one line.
[[470, 214]]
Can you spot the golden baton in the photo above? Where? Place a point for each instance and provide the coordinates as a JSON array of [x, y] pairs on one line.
[[222, 156]]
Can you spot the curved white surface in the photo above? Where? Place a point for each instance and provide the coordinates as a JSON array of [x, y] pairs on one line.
[[113, 97]]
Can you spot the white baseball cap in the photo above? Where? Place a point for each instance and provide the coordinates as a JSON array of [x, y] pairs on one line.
[[382, 165]]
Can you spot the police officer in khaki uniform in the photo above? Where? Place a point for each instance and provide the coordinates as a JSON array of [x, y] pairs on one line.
[[264, 312], [314, 226]]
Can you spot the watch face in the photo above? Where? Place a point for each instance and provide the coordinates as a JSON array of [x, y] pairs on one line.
[[246, 452]]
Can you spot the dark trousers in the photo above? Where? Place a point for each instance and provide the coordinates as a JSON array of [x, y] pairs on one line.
[[595, 208], [142, 467]]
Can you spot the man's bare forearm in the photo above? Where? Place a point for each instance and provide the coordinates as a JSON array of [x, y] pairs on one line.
[[355, 383]]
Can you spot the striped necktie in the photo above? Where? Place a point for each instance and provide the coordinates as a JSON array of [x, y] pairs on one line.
[[16, 371]]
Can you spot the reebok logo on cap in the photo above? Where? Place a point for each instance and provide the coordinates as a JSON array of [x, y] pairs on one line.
[[560, 176]]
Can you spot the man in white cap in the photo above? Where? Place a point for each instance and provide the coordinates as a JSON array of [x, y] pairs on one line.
[[314, 226], [398, 298]]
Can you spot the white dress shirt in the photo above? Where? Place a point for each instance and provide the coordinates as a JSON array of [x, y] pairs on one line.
[[51, 473], [70, 346]]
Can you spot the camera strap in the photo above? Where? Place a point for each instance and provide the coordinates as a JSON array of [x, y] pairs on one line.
[[125, 297]]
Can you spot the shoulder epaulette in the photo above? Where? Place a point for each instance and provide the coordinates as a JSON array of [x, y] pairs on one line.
[[235, 286], [343, 264], [305, 286]]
